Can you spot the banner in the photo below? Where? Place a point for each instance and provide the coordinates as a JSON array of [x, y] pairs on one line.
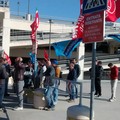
[[78, 31], [113, 10], [115, 36], [66, 48]]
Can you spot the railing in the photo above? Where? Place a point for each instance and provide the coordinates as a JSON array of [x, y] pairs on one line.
[[105, 76]]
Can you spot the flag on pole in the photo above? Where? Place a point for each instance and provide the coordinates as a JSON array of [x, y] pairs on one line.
[[5, 56], [65, 48], [113, 10], [78, 31], [115, 36], [35, 24], [34, 27], [46, 56]]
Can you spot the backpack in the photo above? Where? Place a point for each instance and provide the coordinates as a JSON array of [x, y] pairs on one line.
[[61, 74]]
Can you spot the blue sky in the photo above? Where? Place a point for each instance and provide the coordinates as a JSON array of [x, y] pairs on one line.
[[55, 9], [61, 9]]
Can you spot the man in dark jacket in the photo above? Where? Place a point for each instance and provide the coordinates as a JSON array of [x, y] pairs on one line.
[[70, 84], [19, 75], [98, 77], [7, 66], [3, 76], [78, 72], [49, 85]]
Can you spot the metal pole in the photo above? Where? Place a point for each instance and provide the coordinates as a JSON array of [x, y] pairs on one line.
[[80, 99], [18, 7], [35, 63], [28, 6], [92, 79], [50, 21]]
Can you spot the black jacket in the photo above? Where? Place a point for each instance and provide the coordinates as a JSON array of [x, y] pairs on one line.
[[78, 70], [72, 75], [98, 71]]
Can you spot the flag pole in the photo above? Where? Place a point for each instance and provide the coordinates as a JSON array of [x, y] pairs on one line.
[[34, 27], [50, 21], [35, 63]]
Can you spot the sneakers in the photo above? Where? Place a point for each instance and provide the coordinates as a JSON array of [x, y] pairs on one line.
[[1, 109], [98, 95], [112, 99], [18, 108], [71, 100], [51, 108]]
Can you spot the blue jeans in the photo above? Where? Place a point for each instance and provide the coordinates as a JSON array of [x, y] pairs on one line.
[[71, 88], [49, 96], [55, 95], [2, 90], [55, 91], [20, 92]]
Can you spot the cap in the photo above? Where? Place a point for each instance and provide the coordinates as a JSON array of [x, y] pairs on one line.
[[55, 62]]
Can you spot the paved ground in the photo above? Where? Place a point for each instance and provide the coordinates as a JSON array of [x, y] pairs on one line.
[[103, 109]]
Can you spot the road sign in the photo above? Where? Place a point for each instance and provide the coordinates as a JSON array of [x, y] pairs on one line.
[[93, 27], [90, 6]]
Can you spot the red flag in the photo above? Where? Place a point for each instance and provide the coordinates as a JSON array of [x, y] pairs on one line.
[[35, 24], [46, 56], [113, 10], [7, 58], [34, 27], [78, 32]]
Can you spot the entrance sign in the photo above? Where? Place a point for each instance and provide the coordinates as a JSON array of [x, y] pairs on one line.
[[93, 27], [90, 6]]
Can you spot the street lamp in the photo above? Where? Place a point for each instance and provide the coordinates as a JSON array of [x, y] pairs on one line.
[[50, 21], [28, 6], [18, 3]]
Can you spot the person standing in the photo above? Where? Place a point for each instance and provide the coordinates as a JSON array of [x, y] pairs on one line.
[[19, 75], [114, 80], [28, 75], [49, 85], [3, 76], [98, 77], [78, 72], [71, 77], [7, 66], [57, 80]]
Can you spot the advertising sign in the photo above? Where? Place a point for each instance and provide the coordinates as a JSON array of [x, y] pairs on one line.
[[93, 27]]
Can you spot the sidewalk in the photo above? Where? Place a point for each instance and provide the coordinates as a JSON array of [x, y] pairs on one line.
[[103, 109]]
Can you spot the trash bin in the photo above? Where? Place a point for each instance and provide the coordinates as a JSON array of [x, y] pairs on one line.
[[78, 112], [28, 95], [39, 100]]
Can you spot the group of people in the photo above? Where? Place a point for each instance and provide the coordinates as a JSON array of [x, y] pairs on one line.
[[48, 77], [113, 75]]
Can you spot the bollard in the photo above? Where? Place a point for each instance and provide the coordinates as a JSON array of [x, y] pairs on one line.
[[39, 100], [78, 112]]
